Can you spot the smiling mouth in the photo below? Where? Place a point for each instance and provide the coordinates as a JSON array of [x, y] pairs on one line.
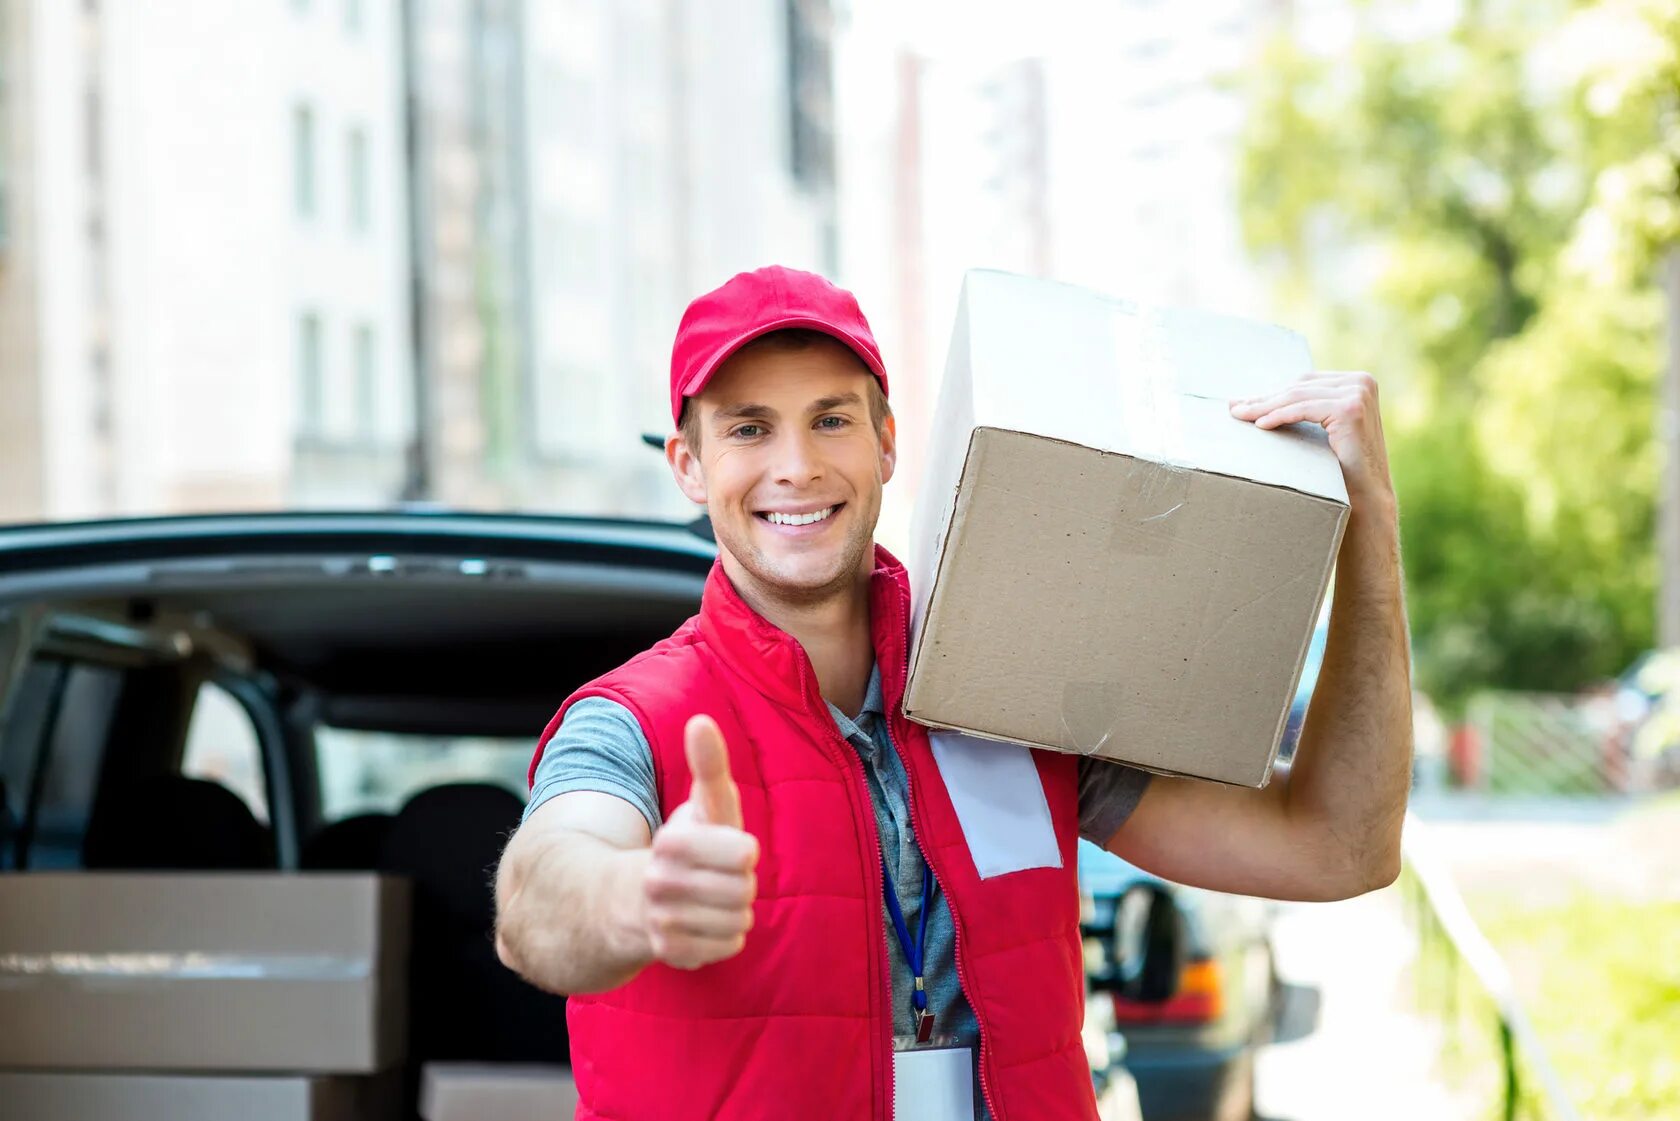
[[775, 518]]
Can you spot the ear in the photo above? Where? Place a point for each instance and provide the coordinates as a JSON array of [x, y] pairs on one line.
[[889, 448], [685, 467]]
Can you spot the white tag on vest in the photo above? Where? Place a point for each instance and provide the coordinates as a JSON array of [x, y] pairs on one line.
[[1000, 802], [934, 1084]]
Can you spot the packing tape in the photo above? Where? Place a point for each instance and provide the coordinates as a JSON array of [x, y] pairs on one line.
[[1148, 385], [73, 967], [1142, 522], [1154, 486]]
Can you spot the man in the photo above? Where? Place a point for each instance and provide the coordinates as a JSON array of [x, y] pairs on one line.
[[741, 860]]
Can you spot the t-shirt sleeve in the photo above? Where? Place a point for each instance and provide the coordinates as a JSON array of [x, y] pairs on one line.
[[1108, 793], [599, 746]]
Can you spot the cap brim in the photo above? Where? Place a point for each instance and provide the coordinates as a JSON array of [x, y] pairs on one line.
[[698, 380]]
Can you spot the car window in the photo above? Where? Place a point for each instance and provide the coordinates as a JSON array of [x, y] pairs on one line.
[[74, 726], [376, 772], [27, 715], [222, 746]]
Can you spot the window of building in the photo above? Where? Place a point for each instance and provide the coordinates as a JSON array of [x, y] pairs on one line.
[[222, 746], [311, 379], [303, 160], [810, 88], [356, 161], [367, 390]]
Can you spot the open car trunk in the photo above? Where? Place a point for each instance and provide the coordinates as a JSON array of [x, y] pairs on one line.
[[139, 659]]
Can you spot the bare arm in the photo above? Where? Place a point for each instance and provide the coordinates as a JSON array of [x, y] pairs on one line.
[[585, 898], [568, 895], [1329, 826]]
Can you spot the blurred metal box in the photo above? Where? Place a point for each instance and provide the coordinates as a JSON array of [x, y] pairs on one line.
[[190, 972]]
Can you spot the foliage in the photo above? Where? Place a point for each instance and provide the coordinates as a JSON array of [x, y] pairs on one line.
[[1600, 983], [1474, 213]]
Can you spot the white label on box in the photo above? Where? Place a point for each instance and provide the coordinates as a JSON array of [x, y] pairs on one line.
[[1000, 802]]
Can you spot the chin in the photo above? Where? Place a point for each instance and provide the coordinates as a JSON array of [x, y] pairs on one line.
[[803, 575], [795, 577]]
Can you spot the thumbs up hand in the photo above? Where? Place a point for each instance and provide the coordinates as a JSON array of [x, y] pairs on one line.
[[699, 884]]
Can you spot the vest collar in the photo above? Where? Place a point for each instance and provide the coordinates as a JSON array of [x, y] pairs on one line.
[[774, 662]]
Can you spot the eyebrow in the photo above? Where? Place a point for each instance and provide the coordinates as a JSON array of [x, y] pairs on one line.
[[743, 412], [837, 401]]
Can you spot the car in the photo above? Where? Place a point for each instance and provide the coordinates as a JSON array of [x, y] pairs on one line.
[[321, 692], [1186, 978], [333, 677], [1304, 688]]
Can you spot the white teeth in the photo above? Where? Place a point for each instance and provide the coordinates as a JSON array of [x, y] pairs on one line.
[[800, 519]]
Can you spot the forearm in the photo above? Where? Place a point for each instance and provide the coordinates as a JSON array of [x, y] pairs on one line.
[[570, 913], [1352, 768]]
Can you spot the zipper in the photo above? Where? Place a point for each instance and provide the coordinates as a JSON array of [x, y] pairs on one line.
[[918, 815], [849, 759]]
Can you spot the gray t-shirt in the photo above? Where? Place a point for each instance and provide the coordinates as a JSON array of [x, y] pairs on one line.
[[600, 747]]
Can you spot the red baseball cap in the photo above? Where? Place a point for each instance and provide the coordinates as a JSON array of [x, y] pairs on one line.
[[755, 303]]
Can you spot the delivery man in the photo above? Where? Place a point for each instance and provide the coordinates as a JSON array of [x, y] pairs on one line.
[[740, 859]]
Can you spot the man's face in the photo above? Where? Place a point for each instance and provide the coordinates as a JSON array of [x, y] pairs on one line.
[[789, 468]]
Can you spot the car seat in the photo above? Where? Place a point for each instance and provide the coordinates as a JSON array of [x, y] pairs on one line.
[[464, 1004], [172, 823], [353, 844]]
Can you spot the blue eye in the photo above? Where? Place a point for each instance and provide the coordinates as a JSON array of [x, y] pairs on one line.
[[747, 431], [839, 422]]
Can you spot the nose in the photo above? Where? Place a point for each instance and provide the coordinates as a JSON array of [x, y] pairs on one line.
[[798, 461]]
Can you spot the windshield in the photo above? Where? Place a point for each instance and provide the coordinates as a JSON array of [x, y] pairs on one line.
[[377, 772]]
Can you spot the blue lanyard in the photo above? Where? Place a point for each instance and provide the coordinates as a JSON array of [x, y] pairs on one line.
[[913, 954]]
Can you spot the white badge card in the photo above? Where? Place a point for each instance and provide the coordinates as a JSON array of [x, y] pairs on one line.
[[934, 1084]]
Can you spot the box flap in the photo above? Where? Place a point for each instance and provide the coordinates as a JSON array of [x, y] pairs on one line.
[[1071, 364]]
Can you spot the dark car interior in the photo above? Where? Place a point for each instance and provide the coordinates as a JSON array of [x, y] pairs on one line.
[[102, 690]]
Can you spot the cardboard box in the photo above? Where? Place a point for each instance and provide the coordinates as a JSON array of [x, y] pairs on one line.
[[203, 972], [496, 1092], [1105, 560], [60, 1096]]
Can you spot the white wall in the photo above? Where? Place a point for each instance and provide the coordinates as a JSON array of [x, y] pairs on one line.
[[209, 265], [72, 484]]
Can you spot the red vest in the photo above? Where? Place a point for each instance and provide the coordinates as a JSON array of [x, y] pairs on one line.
[[798, 1025]]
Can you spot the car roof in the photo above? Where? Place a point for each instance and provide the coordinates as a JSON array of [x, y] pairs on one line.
[[49, 544], [435, 621]]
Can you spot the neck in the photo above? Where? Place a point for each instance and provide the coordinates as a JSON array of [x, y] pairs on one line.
[[833, 629]]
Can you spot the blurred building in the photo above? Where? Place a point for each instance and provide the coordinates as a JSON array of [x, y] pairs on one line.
[[1148, 111], [946, 167], [671, 145], [1016, 149], [202, 301], [1103, 151], [580, 170], [345, 252]]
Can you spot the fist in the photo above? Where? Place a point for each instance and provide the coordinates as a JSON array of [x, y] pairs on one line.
[[700, 884]]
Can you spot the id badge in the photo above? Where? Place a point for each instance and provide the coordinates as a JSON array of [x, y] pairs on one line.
[[934, 1084]]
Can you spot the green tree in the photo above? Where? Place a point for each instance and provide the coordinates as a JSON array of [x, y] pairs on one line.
[[1433, 207]]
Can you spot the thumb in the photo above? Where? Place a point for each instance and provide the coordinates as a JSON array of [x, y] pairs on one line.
[[708, 763]]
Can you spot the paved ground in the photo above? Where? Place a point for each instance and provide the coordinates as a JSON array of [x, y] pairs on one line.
[[1368, 1058], [1548, 849]]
